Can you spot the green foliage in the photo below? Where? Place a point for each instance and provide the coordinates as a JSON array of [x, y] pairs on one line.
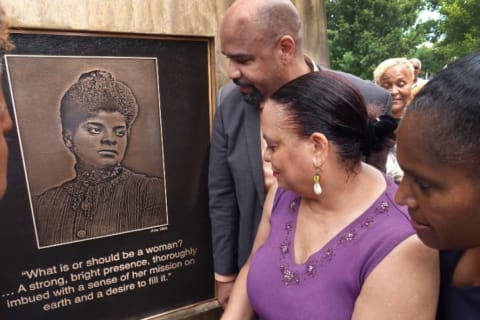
[[362, 33], [460, 26], [456, 34]]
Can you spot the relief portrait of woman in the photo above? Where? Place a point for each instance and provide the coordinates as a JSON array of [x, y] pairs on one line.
[[104, 197]]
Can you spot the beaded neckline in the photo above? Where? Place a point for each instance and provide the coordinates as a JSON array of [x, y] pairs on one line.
[[295, 274]]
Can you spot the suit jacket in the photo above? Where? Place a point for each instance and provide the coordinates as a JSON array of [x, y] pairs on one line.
[[236, 181]]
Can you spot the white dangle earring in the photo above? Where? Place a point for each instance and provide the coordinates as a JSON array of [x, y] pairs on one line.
[[317, 188]]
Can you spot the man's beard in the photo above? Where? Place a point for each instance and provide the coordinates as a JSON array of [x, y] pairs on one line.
[[254, 97]]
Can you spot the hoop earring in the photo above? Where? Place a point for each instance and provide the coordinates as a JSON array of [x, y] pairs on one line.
[[317, 188]]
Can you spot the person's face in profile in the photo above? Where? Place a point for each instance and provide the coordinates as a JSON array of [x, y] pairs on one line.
[[254, 62], [100, 141], [287, 153], [5, 126], [442, 198]]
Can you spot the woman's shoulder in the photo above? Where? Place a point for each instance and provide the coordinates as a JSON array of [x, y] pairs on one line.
[[385, 224], [389, 196], [390, 221], [131, 175], [54, 191]]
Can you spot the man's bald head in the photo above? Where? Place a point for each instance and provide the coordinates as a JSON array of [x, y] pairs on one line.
[[266, 19]]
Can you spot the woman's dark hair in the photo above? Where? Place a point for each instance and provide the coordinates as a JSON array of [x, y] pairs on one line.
[[96, 91], [328, 103], [450, 104]]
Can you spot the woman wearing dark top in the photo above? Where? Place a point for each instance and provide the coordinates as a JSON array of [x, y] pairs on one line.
[[439, 151]]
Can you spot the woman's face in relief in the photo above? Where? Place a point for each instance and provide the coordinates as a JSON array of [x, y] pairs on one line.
[[100, 141]]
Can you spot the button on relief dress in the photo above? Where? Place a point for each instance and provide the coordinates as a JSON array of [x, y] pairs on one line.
[[81, 234]]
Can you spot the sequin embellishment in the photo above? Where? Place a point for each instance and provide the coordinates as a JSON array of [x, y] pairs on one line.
[[382, 207], [289, 276]]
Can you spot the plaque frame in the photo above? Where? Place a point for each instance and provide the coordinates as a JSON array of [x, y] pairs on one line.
[[186, 80]]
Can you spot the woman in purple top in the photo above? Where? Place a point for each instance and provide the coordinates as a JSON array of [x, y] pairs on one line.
[[336, 247], [439, 151]]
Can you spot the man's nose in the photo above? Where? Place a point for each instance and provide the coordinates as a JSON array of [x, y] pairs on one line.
[[233, 70]]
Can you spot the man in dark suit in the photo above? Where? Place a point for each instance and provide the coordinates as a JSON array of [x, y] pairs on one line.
[[262, 40]]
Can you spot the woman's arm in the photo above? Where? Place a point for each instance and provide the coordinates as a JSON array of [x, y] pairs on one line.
[[403, 286], [238, 306]]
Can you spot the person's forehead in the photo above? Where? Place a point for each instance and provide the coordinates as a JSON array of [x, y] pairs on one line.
[[412, 136], [240, 33], [241, 47], [394, 72], [272, 111]]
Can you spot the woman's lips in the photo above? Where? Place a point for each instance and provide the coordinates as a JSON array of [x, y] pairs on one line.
[[418, 226], [107, 152]]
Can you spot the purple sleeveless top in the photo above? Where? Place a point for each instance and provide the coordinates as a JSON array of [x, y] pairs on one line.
[[328, 283]]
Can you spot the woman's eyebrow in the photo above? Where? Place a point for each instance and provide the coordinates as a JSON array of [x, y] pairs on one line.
[[95, 123]]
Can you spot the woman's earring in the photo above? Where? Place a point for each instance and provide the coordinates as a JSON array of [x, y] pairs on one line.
[[317, 188]]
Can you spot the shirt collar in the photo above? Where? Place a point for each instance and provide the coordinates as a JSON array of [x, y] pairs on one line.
[[309, 61]]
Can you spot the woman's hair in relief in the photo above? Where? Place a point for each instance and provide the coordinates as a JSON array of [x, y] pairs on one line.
[[96, 91]]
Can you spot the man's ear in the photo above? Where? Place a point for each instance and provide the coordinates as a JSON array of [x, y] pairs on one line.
[[67, 138], [287, 47], [320, 148]]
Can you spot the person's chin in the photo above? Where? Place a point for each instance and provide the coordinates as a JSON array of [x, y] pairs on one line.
[[398, 105], [426, 234], [280, 182], [3, 187], [254, 97], [246, 90]]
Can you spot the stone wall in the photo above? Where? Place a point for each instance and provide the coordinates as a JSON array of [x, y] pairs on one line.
[[179, 17]]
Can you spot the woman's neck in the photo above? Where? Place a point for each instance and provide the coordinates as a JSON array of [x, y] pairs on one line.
[[93, 176], [350, 192]]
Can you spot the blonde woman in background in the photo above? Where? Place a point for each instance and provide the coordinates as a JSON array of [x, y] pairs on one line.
[[397, 76]]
